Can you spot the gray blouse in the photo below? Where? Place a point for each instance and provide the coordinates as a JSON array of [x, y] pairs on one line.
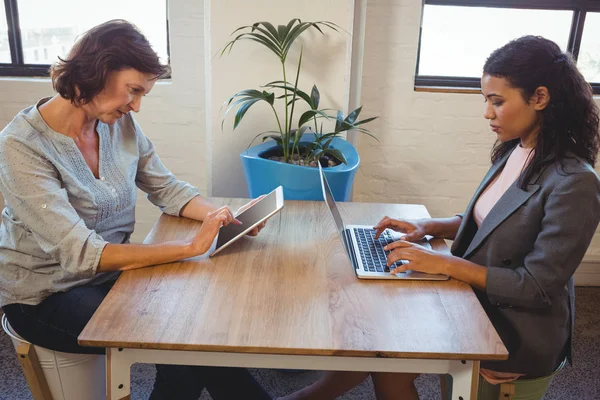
[[58, 217]]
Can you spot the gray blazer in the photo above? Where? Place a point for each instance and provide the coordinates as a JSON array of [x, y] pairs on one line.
[[532, 241]]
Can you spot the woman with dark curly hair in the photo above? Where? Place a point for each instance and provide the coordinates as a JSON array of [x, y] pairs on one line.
[[526, 229], [70, 166]]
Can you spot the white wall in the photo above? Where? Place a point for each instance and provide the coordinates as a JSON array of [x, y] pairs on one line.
[[434, 148], [250, 65]]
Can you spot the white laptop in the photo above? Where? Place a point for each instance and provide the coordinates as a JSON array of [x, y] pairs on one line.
[[365, 252]]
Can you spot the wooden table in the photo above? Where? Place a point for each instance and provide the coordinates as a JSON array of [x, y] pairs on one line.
[[290, 299]]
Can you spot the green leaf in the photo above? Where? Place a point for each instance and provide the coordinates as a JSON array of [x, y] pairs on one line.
[[276, 138], [337, 154], [278, 83], [317, 153], [265, 32], [265, 40], [233, 105], [308, 115], [315, 25], [339, 121], [281, 32], [242, 111], [249, 93], [298, 134], [295, 89], [343, 126], [271, 29], [315, 97], [309, 148], [293, 35], [368, 133], [269, 97], [286, 30], [304, 118], [267, 43], [353, 115], [364, 121], [333, 26], [277, 134], [291, 101], [245, 100], [299, 29], [299, 92]]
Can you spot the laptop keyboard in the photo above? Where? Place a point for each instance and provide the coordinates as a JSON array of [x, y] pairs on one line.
[[371, 250]]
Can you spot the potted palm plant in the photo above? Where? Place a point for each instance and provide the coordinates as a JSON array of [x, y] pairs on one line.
[[290, 152]]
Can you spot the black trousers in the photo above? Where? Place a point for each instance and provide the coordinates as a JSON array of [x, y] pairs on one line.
[[57, 322]]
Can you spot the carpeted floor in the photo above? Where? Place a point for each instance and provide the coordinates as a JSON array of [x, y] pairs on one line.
[[578, 383]]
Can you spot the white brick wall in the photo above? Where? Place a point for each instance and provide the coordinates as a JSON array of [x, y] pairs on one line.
[[434, 147]]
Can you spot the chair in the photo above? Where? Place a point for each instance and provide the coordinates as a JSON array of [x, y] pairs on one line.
[[53, 375]]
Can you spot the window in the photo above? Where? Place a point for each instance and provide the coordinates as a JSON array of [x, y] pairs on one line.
[[458, 35], [35, 33], [4, 46], [589, 53]]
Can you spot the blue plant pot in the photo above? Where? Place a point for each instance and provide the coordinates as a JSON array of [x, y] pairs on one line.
[[299, 183]]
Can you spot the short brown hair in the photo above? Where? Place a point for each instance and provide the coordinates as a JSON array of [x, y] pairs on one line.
[[111, 46]]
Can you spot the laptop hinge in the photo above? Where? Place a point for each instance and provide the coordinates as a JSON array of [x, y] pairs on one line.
[[350, 248]]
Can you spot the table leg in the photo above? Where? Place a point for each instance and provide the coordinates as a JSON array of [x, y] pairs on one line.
[[465, 380], [118, 375]]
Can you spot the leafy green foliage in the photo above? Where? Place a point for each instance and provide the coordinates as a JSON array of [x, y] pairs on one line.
[[279, 40]]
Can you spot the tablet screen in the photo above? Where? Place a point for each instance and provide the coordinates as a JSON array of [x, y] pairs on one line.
[[250, 217]]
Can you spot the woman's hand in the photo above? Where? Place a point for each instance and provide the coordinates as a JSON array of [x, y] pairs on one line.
[[258, 228], [423, 259], [420, 258], [210, 228], [414, 229]]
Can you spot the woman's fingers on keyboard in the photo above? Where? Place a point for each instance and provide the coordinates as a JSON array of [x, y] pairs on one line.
[[378, 232], [401, 244], [395, 224], [386, 222], [398, 255], [398, 268]]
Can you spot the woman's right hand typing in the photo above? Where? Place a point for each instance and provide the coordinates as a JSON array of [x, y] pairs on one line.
[[415, 229]]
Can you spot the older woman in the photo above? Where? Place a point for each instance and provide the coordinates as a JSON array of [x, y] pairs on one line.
[[69, 168]]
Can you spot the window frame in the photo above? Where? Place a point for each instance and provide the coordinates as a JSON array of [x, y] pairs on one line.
[[17, 66], [580, 9]]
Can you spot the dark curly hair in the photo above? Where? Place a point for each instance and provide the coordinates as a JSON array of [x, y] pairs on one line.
[[570, 120], [112, 46]]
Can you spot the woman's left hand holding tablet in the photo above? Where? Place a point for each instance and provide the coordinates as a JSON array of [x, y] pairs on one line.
[[249, 204]]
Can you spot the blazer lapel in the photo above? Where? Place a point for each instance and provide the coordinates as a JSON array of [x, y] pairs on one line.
[[491, 174], [511, 200]]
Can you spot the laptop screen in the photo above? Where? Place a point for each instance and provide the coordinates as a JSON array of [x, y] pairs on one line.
[[328, 197]]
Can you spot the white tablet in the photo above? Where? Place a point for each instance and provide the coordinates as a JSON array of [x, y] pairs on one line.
[[251, 217]]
